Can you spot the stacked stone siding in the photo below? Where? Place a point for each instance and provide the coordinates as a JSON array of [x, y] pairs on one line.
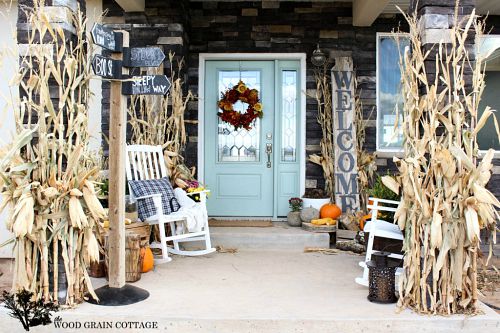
[[191, 27], [261, 27], [291, 27], [59, 14]]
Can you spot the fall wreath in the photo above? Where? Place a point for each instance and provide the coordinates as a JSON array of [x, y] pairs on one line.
[[240, 92]]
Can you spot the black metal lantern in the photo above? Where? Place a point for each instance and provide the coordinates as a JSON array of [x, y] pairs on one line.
[[381, 278], [318, 58]]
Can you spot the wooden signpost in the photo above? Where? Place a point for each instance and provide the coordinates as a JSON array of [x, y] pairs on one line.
[[115, 69], [344, 135]]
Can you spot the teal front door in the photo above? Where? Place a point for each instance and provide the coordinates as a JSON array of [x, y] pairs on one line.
[[253, 173]]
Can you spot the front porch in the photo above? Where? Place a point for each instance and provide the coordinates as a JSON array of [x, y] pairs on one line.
[[263, 291]]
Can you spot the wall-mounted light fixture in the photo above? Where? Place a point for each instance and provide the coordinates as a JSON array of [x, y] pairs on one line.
[[318, 58]]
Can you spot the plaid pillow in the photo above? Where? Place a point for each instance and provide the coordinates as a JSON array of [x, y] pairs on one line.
[[146, 207]]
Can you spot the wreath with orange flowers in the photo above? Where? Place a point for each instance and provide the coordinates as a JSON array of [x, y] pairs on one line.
[[240, 92]]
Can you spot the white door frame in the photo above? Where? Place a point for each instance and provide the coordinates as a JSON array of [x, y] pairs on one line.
[[203, 57]]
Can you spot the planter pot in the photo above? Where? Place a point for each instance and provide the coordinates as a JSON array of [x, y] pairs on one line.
[[293, 219], [314, 203]]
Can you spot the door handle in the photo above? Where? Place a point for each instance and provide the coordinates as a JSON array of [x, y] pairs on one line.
[[269, 151]]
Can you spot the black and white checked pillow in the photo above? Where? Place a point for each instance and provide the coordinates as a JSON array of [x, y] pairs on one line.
[[146, 207]]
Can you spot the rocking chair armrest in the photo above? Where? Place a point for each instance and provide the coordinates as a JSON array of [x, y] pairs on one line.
[[198, 192], [148, 196], [156, 201]]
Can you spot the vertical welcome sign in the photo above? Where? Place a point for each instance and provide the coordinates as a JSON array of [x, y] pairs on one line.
[[344, 135]]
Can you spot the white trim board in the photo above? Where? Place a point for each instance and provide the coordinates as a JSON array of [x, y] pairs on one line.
[[203, 57]]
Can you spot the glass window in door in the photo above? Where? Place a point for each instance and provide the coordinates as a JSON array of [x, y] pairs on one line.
[[240, 145], [289, 116]]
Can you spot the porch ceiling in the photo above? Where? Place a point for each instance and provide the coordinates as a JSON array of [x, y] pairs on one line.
[[364, 11]]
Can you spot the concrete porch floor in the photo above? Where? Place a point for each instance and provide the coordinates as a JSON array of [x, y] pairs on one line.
[[263, 291]]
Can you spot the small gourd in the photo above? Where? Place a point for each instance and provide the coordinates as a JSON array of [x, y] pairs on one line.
[[308, 214], [330, 210]]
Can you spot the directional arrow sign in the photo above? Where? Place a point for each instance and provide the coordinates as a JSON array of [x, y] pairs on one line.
[[146, 85], [106, 67], [107, 38], [143, 57]]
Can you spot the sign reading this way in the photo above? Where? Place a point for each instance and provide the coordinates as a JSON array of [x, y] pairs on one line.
[[143, 57], [344, 134], [146, 85], [107, 38]]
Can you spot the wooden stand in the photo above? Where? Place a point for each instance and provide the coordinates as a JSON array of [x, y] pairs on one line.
[[133, 262], [330, 229]]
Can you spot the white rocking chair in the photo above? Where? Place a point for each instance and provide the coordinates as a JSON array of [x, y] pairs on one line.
[[147, 162], [379, 228]]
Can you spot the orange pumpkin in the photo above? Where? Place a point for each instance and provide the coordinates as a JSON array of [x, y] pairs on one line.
[[330, 210], [148, 261]]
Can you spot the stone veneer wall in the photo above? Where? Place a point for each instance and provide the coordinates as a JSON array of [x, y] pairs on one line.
[[59, 14], [284, 27], [190, 28], [269, 26], [163, 24]]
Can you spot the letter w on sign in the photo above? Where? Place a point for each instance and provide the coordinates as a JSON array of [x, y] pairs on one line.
[[344, 135]]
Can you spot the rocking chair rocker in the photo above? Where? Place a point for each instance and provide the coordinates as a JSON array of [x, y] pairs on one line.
[[379, 228]]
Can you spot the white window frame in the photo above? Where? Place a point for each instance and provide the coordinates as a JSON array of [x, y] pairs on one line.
[[484, 46], [392, 151]]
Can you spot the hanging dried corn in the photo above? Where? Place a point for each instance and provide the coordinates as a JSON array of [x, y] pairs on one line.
[[325, 120], [159, 120], [367, 165], [47, 172], [444, 197]]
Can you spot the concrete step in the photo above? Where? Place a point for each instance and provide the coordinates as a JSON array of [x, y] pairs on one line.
[[279, 237]]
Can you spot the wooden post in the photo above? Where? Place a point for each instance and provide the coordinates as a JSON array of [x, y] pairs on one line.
[[117, 137], [344, 135]]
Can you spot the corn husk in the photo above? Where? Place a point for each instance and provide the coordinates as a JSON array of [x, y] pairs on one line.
[[323, 98], [159, 120], [445, 202], [47, 166]]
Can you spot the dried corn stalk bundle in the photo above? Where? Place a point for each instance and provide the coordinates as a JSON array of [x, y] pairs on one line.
[[47, 172], [367, 165], [325, 119], [444, 199], [159, 120]]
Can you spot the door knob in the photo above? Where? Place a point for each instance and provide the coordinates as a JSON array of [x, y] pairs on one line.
[[269, 151]]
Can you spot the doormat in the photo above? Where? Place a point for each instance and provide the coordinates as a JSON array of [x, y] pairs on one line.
[[239, 223]]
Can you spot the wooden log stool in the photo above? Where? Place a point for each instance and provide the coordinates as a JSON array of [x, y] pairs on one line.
[[133, 259], [329, 229]]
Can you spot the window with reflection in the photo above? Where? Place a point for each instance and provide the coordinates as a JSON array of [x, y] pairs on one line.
[[389, 94], [487, 137], [240, 145]]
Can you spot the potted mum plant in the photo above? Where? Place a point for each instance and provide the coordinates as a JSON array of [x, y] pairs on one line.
[[293, 217], [315, 198]]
